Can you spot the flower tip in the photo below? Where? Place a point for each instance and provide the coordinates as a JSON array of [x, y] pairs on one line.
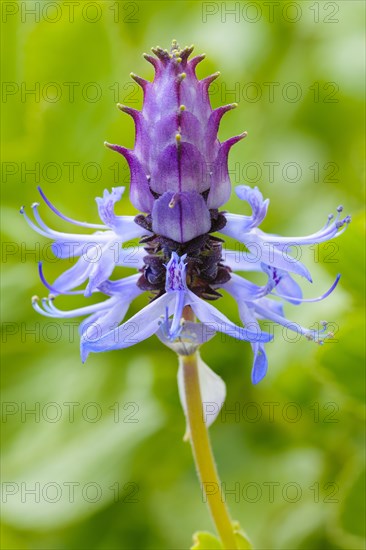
[[88, 291], [21, 209], [140, 81], [83, 351], [35, 299], [260, 367], [256, 376], [35, 205]]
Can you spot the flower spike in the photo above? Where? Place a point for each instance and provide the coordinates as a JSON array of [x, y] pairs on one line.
[[179, 183]]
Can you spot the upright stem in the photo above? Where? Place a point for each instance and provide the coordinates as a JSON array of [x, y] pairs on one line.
[[202, 453]]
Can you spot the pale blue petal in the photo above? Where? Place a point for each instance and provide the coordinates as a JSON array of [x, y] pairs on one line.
[[271, 305], [123, 292], [124, 226], [283, 284], [101, 269], [242, 289], [312, 334], [106, 205], [67, 249], [261, 250], [259, 206], [216, 320], [260, 364], [238, 260], [142, 325], [121, 286], [105, 320], [73, 277], [290, 288]]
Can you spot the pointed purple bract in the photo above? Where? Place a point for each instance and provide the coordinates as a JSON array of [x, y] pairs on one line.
[[176, 146]]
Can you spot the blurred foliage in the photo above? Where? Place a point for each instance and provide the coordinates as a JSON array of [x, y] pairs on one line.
[[149, 496]]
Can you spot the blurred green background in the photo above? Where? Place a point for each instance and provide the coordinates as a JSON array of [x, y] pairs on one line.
[[103, 451]]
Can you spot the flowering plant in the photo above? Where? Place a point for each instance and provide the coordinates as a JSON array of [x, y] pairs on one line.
[[179, 182]]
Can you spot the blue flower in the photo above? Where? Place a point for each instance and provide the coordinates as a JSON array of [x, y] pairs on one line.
[[155, 317], [179, 180], [98, 253]]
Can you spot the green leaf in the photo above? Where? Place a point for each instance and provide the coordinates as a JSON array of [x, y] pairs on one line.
[[241, 538], [205, 541]]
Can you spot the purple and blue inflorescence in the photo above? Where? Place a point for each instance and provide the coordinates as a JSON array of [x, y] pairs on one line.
[[179, 181]]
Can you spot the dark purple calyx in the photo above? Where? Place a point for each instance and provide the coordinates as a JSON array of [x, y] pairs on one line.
[[205, 271]]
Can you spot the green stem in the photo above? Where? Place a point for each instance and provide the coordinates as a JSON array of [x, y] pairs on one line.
[[202, 453]]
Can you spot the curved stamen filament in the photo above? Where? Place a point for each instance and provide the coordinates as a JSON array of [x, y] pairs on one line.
[[67, 218]]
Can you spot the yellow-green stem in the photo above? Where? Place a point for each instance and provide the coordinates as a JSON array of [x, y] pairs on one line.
[[202, 453]]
